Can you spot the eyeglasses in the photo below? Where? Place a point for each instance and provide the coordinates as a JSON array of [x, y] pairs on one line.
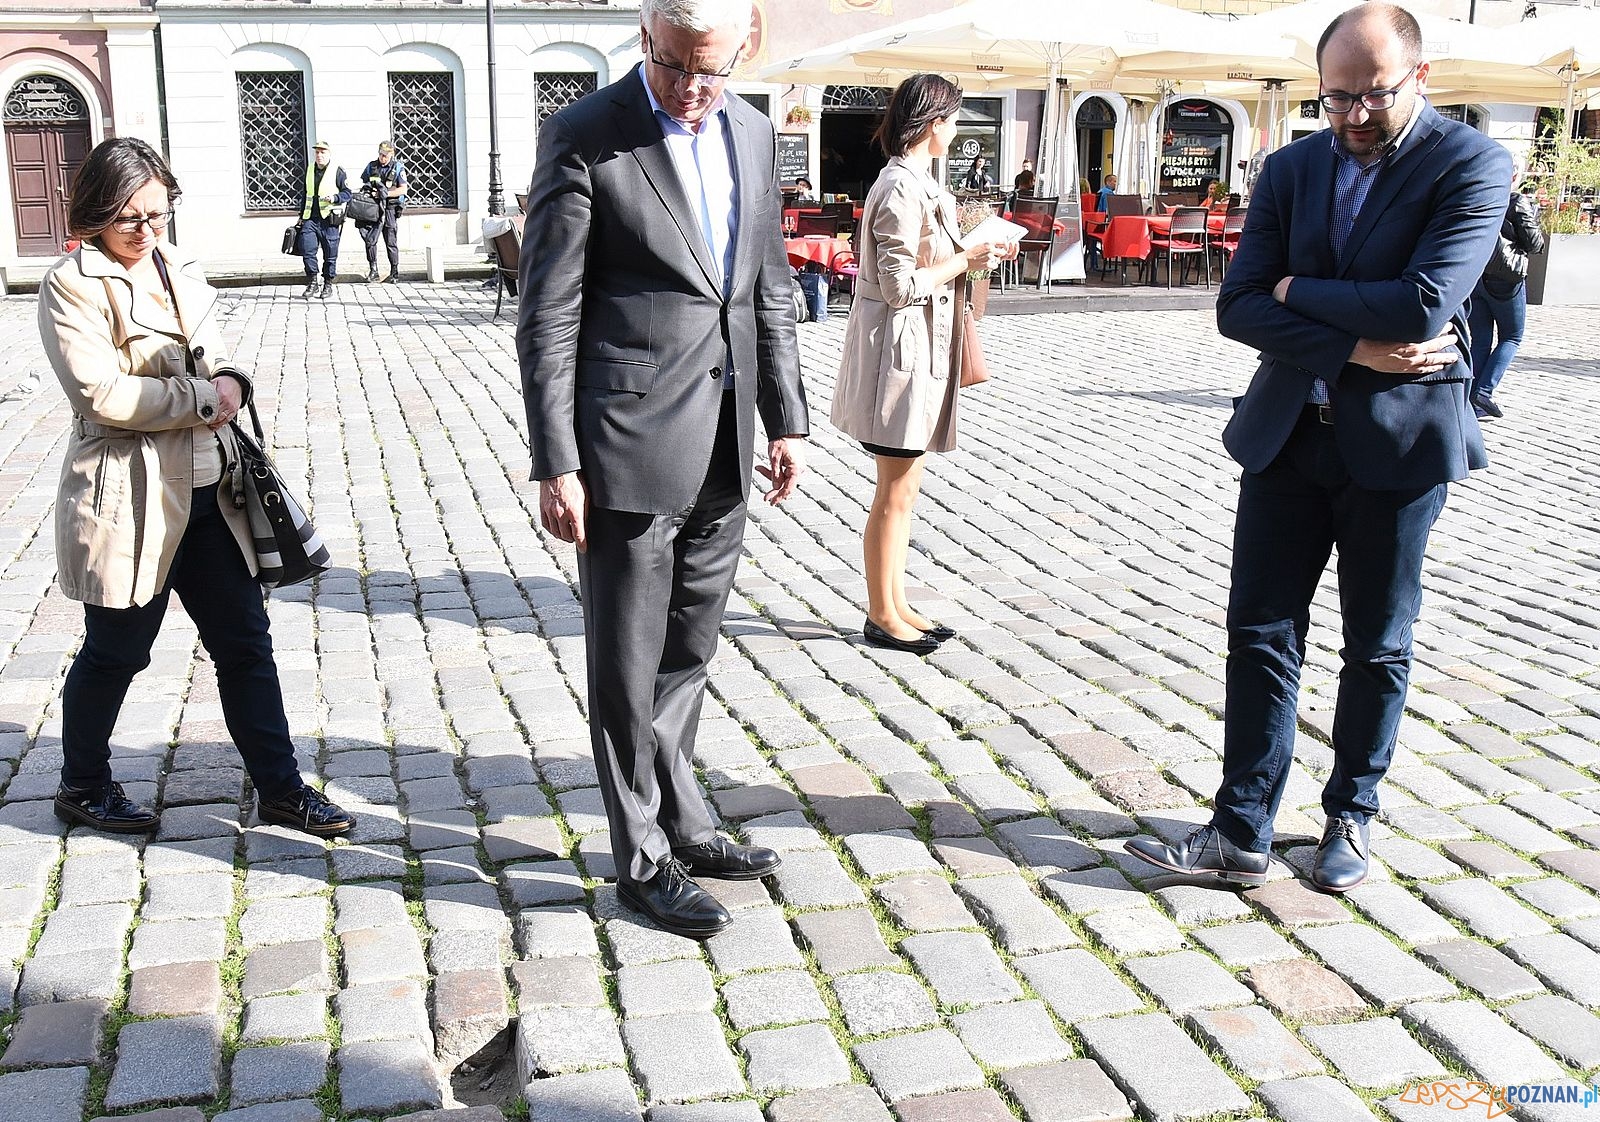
[[1374, 100], [129, 223], [695, 76]]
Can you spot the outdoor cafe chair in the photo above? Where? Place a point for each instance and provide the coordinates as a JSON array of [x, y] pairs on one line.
[[1124, 204], [842, 271], [1039, 216], [522, 201], [1187, 237], [826, 224], [1227, 242], [844, 212], [506, 247], [1127, 238]]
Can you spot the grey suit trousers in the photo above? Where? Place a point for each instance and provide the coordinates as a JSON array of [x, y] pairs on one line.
[[654, 589]]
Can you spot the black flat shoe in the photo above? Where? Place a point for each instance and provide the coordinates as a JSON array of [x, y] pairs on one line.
[[308, 810], [727, 860], [939, 633], [1341, 862], [106, 808], [1204, 851], [878, 637], [675, 902]]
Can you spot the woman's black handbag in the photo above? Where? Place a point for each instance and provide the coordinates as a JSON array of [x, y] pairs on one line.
[[288, 548], [363, 209], [291, 240]]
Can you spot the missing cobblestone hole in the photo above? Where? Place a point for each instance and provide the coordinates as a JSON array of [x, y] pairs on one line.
[[488, 1077]]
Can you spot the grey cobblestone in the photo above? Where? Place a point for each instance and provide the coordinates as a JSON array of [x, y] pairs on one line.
[[1153, 1060], [923, 1063], [1374, 1053], [800, 1058]]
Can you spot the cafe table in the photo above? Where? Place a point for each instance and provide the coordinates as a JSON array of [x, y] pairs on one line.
[[817, 249]]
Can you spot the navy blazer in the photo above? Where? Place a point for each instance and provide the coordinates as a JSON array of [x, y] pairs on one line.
[[1418, 246]]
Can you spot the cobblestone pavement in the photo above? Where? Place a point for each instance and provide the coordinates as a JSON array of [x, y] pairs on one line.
[[956, 933]]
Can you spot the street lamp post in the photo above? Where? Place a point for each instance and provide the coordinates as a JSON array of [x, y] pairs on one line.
[[497, 197]]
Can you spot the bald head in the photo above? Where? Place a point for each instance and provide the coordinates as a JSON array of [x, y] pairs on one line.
[[1375, 25]]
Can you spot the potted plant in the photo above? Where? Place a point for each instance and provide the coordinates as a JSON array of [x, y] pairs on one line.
[[968, 217], [798, 116], [1564, 177]]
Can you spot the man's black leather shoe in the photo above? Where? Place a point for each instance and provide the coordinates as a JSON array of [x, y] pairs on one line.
[[727, 860], [106, 808], [676, 903], [1341, 862], [878, 637], [939, 633], [1205, 850], [306, 809]]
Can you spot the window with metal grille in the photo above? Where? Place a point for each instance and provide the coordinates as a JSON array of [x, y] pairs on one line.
[[272, 138], [422, 123], [554, 91]]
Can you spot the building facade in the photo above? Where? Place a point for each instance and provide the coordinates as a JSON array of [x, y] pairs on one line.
[[69, 79]]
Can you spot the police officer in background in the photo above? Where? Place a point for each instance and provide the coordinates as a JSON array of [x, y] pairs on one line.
[[322, 219], [385, 179]]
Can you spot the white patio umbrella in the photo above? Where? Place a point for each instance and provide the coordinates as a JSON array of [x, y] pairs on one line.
[[1026, 43], [1466, 61]]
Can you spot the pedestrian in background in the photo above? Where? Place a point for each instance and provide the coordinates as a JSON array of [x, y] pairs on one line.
[[978, 177], [655, 327], [901, 373], [322, 219], [1499, 313], [1103, 196], [1361, 248], [385, 179], [145, 504]]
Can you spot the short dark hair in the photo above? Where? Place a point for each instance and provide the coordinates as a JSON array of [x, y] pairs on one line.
[[803, 182], [1024, 181], [1401, 22], [109, 177], [915, 104]]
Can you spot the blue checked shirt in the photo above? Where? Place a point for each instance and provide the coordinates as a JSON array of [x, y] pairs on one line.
[[1351, 182]]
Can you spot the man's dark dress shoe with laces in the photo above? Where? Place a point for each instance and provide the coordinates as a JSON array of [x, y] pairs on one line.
[[1341, 861], [727, 860], [1205, 850], [104, 808], [923, 644], [306, 809], [675, 902], [939, 633]]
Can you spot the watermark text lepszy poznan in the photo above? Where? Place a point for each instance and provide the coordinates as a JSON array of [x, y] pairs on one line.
[[1497, 1101]]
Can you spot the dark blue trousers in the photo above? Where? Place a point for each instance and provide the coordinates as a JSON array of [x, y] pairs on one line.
[[212, 580], [1291, 518], [318, 233], [1497, 319]]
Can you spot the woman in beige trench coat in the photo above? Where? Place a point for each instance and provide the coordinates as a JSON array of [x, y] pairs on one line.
[[145, 504], [901, 373]]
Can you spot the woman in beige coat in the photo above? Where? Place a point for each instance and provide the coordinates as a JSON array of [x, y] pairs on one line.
[[146, 506], [901, 373]]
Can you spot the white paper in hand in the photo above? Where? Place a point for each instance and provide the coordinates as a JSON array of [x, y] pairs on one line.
[[993, 229]]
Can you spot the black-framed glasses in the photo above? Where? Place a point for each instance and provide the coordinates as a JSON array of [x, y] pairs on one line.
[[1374, 100], [129, 223], [709, 78]]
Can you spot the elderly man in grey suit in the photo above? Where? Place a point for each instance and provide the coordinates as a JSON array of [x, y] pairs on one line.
[[655, 323]]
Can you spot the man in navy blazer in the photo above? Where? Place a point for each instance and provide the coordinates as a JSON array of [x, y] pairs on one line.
[[1361, 247]]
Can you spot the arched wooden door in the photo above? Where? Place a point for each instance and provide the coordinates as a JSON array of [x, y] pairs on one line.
[[47, 139]]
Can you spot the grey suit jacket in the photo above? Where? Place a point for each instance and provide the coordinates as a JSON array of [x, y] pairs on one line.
[[623, 330]]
